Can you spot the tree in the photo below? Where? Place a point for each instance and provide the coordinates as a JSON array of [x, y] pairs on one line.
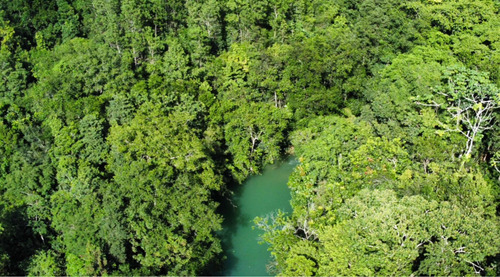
[[254, 135], [470, 99], [4, 257], [378, 234], [164, 180]]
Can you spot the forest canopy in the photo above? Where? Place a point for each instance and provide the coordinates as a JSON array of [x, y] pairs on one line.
[[124, 122]]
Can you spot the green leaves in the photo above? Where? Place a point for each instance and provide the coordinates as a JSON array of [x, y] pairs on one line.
[[368, 205], [120, 119], [470, 100], [165, 177], [255, 136], [45, 263], [388, 236]]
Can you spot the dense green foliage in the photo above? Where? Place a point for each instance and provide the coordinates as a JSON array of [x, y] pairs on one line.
[[123, 121]]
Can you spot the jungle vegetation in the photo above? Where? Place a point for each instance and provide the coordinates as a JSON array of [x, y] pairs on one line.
[[123, 122]]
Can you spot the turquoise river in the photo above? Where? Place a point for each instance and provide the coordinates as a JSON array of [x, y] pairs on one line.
[[259, 195]]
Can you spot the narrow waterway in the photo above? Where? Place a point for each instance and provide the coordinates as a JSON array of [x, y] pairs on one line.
[[258, 196]]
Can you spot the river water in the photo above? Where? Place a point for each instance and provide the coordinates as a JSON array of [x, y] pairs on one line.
[[257, 196]]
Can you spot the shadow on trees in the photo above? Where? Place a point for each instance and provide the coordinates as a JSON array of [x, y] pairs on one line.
[[17, 240]]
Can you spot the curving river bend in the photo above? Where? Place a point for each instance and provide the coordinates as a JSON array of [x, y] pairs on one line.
[[258, 196]]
